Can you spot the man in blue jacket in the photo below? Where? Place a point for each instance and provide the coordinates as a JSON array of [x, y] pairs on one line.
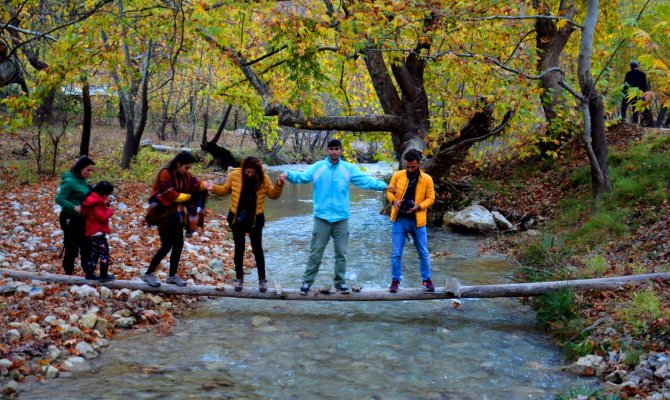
[[331, 178]]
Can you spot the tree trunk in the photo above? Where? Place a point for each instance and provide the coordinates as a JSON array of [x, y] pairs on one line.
[[452, 289], [594, 138], [549, 44], [86, 123]]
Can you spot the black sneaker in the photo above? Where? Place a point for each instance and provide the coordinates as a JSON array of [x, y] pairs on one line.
[[304, 289], [92, 276], [107, 278], [342, 288]]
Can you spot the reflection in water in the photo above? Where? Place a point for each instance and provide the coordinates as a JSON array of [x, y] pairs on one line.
[[254, 349]]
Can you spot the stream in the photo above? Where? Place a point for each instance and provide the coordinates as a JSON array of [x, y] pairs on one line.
[[253, 349]]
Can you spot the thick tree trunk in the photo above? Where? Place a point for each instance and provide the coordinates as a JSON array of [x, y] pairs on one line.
[[549, 44], [86, 123], [452, 290]]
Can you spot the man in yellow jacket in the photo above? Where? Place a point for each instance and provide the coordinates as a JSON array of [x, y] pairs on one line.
[[414, 194]]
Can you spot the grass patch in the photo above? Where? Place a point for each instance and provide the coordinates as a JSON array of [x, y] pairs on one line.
[[586, 392], [556, 307], [546, 251], [644, 309], [596, 265]]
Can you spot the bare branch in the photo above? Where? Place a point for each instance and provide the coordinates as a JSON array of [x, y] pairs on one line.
[[27, 32], [567, 87]]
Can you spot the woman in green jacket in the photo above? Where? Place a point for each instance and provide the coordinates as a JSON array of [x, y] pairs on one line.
[[249, 185], [71, 193]]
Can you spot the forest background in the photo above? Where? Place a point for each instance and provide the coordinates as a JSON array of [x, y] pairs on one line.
[[474, 85]]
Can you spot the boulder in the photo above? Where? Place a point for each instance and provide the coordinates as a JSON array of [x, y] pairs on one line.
[[474, 219], [502, 222]]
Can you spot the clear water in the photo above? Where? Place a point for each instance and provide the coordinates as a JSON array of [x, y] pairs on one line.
[[255, 349]]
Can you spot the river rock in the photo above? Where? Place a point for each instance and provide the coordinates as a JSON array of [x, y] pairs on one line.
[[125, 322], [53, 353], [88, 321], [446, 219], [76, 364], [155, 299], [9, 388], [101, 325], [474, 218], [13, 336], [5, 363], [587, 366], [86, 351], [105, 292], [51, 372], [502, 222], [70, 332], [8, 289], [84, 291], [123, 313], [136, 295]]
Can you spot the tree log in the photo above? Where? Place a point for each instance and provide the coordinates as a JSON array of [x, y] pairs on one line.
[[452, 291]]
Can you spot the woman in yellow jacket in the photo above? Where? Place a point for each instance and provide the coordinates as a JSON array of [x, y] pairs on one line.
[[248, 185]]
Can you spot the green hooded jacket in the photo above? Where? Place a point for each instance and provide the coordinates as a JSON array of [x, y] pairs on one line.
[[72, 192]]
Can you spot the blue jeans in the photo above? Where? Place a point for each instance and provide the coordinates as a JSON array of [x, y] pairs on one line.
[[401, 227]]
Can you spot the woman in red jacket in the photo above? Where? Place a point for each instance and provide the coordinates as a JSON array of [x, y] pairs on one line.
[[97, 215]]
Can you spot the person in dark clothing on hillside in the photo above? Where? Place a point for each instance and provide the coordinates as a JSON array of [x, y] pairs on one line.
[[71, 194], [634, 78]]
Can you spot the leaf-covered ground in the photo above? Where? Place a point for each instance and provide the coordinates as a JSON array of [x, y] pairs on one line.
[[572, 237], [35, 317]]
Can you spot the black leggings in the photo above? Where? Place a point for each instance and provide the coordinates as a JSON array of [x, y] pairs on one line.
[[172, 238], [74, 241], [256, 238], [99, 251]]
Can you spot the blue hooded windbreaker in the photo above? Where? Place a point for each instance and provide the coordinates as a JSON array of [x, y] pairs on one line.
[[331, 187]]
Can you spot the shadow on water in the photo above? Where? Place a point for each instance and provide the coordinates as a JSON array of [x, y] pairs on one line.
[[252, 349]]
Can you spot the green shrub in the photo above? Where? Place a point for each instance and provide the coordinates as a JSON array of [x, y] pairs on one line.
[[547, 250]]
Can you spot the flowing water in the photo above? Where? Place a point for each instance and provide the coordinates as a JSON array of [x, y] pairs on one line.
[[255, 349]]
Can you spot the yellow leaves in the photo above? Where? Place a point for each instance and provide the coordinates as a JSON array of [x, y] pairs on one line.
[[659, 64], [561, 23]]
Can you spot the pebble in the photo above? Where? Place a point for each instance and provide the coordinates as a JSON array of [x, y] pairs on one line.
[[10, 387]]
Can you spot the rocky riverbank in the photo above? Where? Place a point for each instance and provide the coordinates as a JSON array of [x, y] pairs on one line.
[[52, 330]]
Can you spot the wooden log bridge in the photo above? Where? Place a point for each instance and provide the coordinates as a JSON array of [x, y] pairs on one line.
[[452, 290]]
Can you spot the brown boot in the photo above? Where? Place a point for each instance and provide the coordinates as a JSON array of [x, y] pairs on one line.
[[262, 285]]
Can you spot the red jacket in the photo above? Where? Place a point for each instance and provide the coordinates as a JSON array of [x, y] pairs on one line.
[[97, 214]]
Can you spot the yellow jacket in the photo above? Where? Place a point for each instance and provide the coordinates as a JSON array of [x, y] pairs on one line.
[[424, 196], [234, 185]]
